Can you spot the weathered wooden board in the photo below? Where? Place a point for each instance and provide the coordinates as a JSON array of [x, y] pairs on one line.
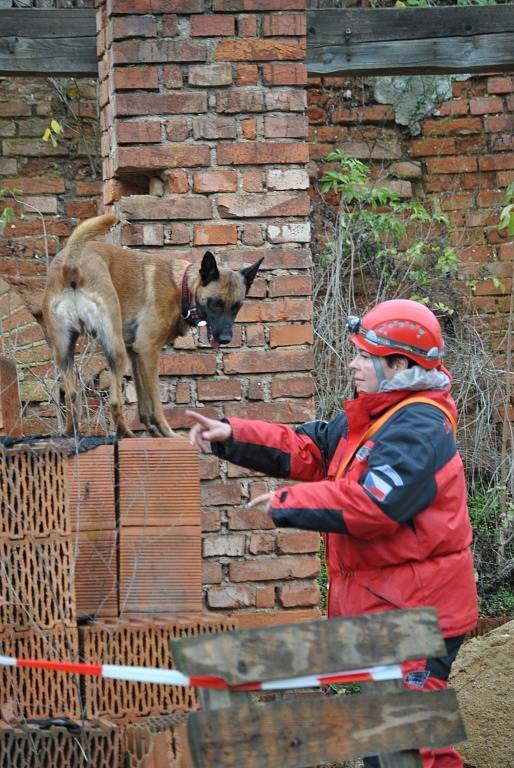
[[393, 41], [56, 42], [314, 731], [310, 648]]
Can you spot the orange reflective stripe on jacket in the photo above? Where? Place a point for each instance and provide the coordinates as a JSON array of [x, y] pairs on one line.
[[385, 417]]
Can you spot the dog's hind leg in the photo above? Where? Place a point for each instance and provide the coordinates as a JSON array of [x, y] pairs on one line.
[[144, 402], [149, 370], [64, 350]]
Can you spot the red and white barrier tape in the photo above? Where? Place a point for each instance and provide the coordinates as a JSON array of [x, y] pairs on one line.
[[173, 677]]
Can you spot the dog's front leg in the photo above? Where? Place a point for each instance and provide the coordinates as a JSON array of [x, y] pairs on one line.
[[144, 403], [149, 373]]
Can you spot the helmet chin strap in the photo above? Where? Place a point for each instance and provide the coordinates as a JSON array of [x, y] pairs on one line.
[[378, 365]]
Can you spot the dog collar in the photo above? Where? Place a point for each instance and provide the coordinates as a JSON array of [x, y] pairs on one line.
[[189, 309]]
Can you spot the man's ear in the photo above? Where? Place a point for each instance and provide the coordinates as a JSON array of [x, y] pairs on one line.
[[250, 272], [209, 272]]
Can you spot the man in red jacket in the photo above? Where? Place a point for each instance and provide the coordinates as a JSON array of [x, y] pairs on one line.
[[382, 481]]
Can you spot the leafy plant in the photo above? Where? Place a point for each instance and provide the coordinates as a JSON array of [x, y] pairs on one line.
[[8, 212], [52, 132]]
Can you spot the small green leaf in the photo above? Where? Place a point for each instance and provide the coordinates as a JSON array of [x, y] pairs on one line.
[[47, 135], [56, 127]]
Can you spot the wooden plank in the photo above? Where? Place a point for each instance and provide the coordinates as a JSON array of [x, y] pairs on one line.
[[10, 406], [404, 759], [323, 730], [56, 42], [314, 647], [410, 40]]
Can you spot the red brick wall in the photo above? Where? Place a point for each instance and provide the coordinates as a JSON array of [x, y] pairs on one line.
[[462, 163]]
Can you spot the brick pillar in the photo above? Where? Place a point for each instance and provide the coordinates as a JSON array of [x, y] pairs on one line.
[[204, 146]]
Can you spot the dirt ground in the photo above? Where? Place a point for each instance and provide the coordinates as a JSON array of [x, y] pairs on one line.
[[483, 675]]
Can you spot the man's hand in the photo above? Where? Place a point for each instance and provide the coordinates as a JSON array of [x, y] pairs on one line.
[[205, 431], [265, 500]]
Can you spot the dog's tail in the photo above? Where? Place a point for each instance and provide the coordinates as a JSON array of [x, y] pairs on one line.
[[86, 231]]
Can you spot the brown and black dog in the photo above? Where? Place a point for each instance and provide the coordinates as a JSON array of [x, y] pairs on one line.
[[134, 302]]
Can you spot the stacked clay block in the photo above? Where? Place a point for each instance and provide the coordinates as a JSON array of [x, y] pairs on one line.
[[152, 742], [159, 527], [95, 744], [39, 693], [144, 643], [91, 505]]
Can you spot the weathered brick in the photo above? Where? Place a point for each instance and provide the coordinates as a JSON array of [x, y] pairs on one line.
[[258, 5], [76, 209], [252, 234], [293, 232], [452, 164], [211, 519], [133, 26], [39, 185], [249, 129], [485, 105], [169, 156], [246, 74], [169, 25], [220, 494], [260, 50], [148, 207], [153, 234], [157, 6], [239, 101], [265, 596], [138, 131], [296, 542], [179, 234], [457, 126], [229, 545], [215, 234], [230, 596], [247, 26], [284, 412], [210, 74], [244, 518], [268, 361], [172, 76], [268, 205], [214, 128], [290, 285], [157, 51], [290, 178], [262, 543], [273, 569], [15, 108], [289, 386], [262, 153], [496, 162], [160, 103], [177, 182], [290, 335], [426, 147], [253, 181], [287, 126], [500, 85], [214, 181], [298, 595], [220, 389], [208, 25], [129, 78], [211, 572], [284, 24], [454, 107], [284, 74], [33, 148], [178, 129], [285, 100]]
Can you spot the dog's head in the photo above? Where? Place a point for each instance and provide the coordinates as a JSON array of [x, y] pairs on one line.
[[220, 295]]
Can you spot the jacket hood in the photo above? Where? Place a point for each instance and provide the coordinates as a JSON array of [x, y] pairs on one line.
[[418, 378]]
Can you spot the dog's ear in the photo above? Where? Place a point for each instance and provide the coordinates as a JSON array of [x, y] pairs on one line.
[[209, 272], [250, 272]]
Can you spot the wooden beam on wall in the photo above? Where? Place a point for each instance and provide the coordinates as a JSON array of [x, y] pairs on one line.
[[53, 42], [394, 41]]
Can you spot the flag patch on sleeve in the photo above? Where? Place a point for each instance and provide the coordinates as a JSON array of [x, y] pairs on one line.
[[376, 486]]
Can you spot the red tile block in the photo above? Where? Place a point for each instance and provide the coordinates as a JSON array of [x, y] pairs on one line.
[[160, 569], [90, 484], [159, 482], [31, 693], [96, 581]]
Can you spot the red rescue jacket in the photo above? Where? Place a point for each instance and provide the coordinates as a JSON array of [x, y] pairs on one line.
[[396, 525]]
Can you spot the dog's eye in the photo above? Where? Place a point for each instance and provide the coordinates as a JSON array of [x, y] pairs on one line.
[[215, 304]]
